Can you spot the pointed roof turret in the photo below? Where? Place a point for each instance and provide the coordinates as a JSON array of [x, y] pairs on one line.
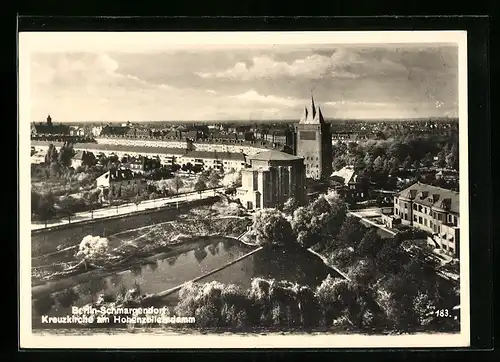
[[313, 108], [312, 115], [304, 116], [319, 116]]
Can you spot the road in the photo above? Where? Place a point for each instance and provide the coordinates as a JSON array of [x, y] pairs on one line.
[[127, 208]]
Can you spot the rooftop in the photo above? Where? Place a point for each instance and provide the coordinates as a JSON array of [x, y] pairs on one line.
[[432, 196], [274, 156], [147, 150], [345, 173], [312, 115]]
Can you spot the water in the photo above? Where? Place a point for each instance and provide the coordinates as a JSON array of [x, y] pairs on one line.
[[297, 266], [151, 278]]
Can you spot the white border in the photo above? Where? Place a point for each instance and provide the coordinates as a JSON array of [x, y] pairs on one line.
[[153, 41]]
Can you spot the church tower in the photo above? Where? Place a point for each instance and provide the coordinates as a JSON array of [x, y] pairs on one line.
[[314, 143], [49, 120]]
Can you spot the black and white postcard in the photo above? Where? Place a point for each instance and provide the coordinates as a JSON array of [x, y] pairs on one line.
[[252, 189]]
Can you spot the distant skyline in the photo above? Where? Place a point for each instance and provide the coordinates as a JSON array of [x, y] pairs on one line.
[[252, 83]]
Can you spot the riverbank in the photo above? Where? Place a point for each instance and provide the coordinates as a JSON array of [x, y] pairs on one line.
[[51, 240], [135, 247], [183, 245]]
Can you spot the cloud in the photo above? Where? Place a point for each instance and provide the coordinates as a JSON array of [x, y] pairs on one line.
[[246, 84], [85, 69], [253, 96], [349, 103], [313, 66]]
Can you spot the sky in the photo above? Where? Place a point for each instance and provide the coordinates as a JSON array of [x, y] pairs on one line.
[[244, 82]]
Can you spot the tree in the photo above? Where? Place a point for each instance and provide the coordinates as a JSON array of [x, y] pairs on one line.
[[390, 258], [176, 183], [451, 158], [363, 272], [55, 169], [272, 228], [320, 206], [66, 153], [407, 163], [67, 205], [342, 257], [35, 199], [200, 185], [103, 160], [238, 179], [163, 186], [441, 161], [330, 294], [370, 244], [51, 155], [45, 209], [351, 232], [188, 167], [214, 179], [175, 167], [427, 160], [290, 206], [197, 168], [378, 164], [137, 199]]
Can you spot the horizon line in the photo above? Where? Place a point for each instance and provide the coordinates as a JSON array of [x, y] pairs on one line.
[[402, 119]]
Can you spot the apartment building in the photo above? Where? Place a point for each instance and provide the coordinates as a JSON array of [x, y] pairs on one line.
[[432, 209]]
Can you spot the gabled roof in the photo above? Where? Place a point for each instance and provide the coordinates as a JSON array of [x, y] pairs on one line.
[[432, 196], [347, 174]]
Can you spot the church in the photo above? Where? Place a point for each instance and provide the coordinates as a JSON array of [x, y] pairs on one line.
[[313, 142]]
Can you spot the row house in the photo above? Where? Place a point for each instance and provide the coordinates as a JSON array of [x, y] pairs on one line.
[[215, 160]]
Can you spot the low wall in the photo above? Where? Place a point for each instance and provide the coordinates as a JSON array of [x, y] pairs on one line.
[[45, 241]]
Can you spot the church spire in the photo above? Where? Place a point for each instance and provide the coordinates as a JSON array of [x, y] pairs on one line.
[[313, 108]]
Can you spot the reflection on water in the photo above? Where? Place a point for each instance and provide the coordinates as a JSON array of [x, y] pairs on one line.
[[151, 267], [200, 254], [171, 261], [213, 249], [298, 266], [152, 277], [136, 270]]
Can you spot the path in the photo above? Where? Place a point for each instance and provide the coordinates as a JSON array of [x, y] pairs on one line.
[[126, 209]]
